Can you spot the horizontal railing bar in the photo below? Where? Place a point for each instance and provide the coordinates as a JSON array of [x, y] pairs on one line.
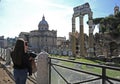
[[115, 79], [95, 65], [76, 70], [109, 81], [87, 80], [9, 73], [32, 80]]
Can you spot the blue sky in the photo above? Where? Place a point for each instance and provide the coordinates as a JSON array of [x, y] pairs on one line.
[[24, 15]]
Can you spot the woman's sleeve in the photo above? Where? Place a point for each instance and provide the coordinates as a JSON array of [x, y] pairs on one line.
[[28, 64]]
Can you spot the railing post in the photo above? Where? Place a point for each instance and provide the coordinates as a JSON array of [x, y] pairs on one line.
[[2, 53], [103, 75], [49, 70], [42, 68], [7, 56]]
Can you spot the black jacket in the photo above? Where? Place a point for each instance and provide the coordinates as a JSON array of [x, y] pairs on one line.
[[25, 62]]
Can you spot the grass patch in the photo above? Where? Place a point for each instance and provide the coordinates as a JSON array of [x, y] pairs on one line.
[[96, 70], [113, 73]]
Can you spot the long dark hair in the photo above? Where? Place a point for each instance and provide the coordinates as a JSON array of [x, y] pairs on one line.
[[18, 52]]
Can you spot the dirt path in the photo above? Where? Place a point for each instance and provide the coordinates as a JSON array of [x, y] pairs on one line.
[[4, 77]]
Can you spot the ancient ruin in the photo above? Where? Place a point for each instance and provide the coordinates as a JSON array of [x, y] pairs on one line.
[[80, 11], [104, 43]]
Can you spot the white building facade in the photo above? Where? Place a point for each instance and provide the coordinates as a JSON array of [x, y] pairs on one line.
[[42, 39]]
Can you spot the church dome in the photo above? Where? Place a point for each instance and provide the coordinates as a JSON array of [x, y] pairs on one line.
[[43, 25]]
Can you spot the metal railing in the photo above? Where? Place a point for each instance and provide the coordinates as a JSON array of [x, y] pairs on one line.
[[103, 75]]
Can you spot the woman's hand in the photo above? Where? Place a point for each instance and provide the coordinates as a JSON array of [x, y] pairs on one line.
[[31, 58]]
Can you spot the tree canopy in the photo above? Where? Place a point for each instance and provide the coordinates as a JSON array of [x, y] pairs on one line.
[[110, 24]]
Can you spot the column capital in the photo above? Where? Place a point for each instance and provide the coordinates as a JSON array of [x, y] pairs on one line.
[[90, 15], [90, 22], [81, 16], [73, 17]]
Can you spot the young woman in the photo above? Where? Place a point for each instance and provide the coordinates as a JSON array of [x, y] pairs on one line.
[[21, 62]]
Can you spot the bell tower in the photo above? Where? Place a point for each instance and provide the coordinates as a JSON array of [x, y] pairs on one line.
[[116, 9]]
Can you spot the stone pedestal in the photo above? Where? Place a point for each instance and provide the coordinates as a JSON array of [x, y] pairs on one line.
[[42, 68]]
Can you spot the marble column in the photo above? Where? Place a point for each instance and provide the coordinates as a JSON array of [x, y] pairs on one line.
[[81, 40], [91, 40], [73, 37]]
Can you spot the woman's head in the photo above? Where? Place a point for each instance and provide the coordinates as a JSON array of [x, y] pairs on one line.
[[20, 46]]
